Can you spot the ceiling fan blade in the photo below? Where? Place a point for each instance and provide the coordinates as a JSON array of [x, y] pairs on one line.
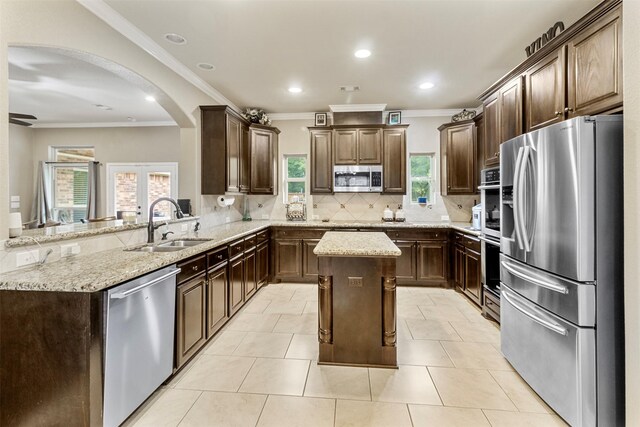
[[19, 122], [22, 116]]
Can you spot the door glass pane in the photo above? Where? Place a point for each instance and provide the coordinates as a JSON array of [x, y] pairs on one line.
[[126, 191], [70, 193], [159, 185]]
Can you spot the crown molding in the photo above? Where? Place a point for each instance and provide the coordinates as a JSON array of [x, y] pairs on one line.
[[405, 113], [103, 125], [349, 108], [295, 116], [116, 21]]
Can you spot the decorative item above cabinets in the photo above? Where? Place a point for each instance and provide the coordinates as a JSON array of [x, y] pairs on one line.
[[237, 156], [358, 145], [577, 73]]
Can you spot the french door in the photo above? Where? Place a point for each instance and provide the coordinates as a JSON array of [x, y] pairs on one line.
[[134, 186]]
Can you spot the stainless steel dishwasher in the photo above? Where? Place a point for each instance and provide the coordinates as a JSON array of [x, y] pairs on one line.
[[140, 317]]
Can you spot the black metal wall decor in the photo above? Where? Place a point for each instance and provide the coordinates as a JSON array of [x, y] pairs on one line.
[[545, 38]]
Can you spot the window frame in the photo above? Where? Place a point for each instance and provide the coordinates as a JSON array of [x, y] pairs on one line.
[[431, 179], [53, 185], [286, 180], [53, 151]]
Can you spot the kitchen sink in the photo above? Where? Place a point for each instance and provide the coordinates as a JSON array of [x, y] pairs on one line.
[[182, 243], [158, 249]]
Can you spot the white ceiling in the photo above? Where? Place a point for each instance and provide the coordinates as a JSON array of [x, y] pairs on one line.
[[62, 88], [261, 47]]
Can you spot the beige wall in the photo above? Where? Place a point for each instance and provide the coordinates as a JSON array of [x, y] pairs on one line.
[[21, 170], [631, 52], [113, 145]]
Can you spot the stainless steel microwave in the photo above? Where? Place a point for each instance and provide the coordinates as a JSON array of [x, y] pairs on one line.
[[357, 179]]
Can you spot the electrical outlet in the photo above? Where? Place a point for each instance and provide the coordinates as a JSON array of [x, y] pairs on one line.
[[265, 216], [444, 218], [69, 250], [184, 227], [27, 257], [315, 216], [227, 219]]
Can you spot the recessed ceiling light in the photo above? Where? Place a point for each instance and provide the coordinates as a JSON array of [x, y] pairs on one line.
[[295, 89], [150, 98], [362, 53], [103, 107], [206, 66], [175, 38], [426, 85]]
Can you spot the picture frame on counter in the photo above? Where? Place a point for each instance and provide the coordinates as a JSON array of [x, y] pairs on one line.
[[321, 119], [395, 117]]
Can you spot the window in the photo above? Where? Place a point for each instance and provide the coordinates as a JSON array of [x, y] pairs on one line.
[[295, 178], [422, 175], [69, 176]]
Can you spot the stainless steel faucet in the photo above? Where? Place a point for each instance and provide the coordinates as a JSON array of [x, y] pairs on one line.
[[151, 227]]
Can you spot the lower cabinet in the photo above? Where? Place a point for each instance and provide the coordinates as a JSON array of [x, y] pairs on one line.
[[433, 261], [250, 282], [191, 328], [217, 307], [467, 267], [236, 283], [287, 258], [309, 260], [406, 263], [262, 264]]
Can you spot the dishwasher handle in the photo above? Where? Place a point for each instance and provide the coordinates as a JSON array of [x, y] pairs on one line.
[[128, 292]]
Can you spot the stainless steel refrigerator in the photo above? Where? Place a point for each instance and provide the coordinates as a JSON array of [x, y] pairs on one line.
[[561, 262]]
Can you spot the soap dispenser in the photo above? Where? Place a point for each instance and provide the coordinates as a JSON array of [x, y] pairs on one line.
[[387, 214]]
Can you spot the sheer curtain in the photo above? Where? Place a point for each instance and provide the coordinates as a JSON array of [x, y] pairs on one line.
[[41, 208], [93, 187]]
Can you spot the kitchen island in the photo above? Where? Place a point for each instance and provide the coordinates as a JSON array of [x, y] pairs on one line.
[[357, 299]]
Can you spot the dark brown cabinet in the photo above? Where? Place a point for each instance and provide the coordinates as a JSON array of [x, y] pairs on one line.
[[594, 68], [406, 262], [250, 281], [544, 93], [244, 166], [321, 161], [361, 146], [502, 120], [492, 141], [394, 148], [262, 264], [458, 158], [236, 283], [467, 267], [217, 308], [309, 260], [433, 262], [287, 258], [191, 315], [264, 155]]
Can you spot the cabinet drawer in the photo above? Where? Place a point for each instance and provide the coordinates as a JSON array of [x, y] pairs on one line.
[[305, 233], [263, 236], [218, 256], [472, 243], [192, 268], [458, 238], [250, 242], [491, 304], [236, 248], [408, 234]]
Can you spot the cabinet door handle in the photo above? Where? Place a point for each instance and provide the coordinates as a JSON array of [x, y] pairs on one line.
[[558, 113], [568, 110], [194, 268]]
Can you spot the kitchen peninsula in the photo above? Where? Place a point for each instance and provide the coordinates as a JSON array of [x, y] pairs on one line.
[[357, 299]]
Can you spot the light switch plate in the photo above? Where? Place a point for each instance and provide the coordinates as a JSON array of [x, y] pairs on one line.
[[444, 218], [315, 216], [15, 199], [69, 250], [184, 227], [265, 216], [15, 205], [27, 257]]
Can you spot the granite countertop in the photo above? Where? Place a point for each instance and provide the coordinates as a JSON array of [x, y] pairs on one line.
[[356, 244], [102, 270]]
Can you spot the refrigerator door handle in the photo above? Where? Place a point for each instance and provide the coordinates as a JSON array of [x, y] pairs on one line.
[[551, 326], [522, 194], [516, 198], [551, 286]]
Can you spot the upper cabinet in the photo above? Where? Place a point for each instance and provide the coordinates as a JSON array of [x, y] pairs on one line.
[[594, 69], [234, 154], [358, 146], [545, 91], [458, 158], [321, 161], [577, 73], [394, 170], [264, 157]]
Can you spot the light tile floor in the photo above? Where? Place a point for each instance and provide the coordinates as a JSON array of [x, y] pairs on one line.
[[261, 370]]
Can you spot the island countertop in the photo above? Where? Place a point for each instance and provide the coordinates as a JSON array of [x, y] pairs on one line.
[[356, 244]]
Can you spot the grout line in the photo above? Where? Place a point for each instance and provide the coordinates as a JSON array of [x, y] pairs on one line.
[[369, 379], [434, 385], [410, 417], [190, 407], [288, 346], [246, 375], [262, 410], [306, 378]]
